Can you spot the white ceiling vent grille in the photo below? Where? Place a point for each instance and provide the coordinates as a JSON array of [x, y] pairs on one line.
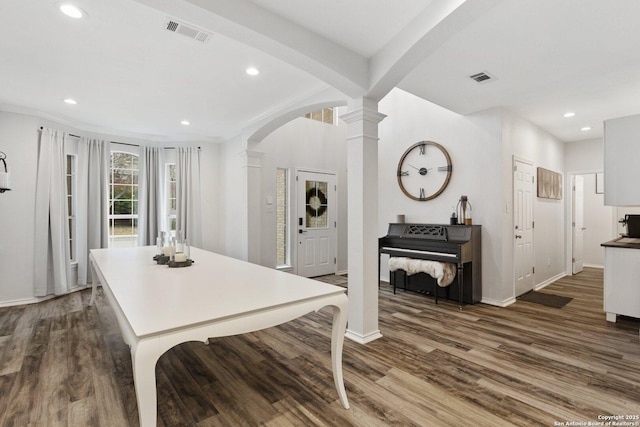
[[482, 77], [190, 31]]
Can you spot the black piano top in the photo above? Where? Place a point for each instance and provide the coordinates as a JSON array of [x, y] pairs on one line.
[[434, 232], [438, 242]]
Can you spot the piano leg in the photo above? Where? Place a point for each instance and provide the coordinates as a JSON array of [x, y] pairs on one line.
[[460, 287]]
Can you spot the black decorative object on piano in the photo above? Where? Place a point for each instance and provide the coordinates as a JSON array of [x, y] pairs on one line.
[[457, 244]]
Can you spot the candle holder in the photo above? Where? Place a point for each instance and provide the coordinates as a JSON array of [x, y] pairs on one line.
[[181, 252], [163, 247]]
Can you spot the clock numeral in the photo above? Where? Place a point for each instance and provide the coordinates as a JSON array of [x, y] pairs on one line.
[[422, 196], [445, 168], [403, 173], [422, 148]]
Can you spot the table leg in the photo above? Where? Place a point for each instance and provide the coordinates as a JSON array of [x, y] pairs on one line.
[[94, 282], [340, 314], [144, 379]]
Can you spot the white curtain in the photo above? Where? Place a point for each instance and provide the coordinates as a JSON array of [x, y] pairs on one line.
[[51, 256], [188, 213], [151, 195], [92, 224]]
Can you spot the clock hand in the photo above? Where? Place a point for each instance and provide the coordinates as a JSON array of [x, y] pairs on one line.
[[421, 171]]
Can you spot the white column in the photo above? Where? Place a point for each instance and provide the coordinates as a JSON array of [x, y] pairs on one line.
[[253, 165], [362, 176]]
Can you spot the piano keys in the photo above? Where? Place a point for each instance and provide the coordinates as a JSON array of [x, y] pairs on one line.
[[457, 244]]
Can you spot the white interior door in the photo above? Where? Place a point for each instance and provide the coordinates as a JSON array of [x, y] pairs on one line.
[[578, 224], [316, 208], [523, 187]]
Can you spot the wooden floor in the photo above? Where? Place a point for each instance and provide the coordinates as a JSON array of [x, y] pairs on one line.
[[64, 363]]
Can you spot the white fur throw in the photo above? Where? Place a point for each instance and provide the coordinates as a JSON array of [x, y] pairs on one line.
[[444, 272]]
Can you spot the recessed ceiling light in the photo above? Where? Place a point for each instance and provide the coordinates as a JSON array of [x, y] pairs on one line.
[[569, 114], [185, 122], [253, 71], [586, 128], [72, 11], [71, 101]]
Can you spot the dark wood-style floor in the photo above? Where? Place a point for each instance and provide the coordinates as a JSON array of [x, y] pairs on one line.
[[64, 363]]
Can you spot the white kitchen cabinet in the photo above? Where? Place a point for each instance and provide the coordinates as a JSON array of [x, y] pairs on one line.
[[621, 282], [621, 156]]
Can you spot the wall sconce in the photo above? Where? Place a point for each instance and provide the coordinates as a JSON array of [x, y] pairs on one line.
[[4, 176]]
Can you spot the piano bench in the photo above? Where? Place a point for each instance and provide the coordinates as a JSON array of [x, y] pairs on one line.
[[400, 276]]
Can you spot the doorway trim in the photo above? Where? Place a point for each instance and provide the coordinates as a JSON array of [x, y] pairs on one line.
[[529, 162], [569, 217], [295, 228]]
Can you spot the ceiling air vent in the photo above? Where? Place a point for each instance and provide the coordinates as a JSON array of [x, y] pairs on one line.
[[482, 77], [186, 30]]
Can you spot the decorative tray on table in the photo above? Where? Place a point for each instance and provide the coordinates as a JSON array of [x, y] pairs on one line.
[[174, 264]]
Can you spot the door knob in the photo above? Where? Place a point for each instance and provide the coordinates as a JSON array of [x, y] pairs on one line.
[[302, 231], [518, 236]]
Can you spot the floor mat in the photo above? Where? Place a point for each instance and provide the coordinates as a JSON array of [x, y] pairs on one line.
[[548, 300]]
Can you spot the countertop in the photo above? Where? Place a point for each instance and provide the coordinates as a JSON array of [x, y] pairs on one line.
[[623, 242]]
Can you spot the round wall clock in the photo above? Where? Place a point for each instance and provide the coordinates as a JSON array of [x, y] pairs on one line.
[[424, 171]]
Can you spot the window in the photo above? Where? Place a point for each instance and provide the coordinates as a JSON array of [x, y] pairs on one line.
[[123, 200], [325, 115], [171, 198], [70, 171], [282, 214]]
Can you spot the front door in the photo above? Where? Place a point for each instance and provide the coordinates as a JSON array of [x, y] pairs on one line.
[[578, 224], [523, 187], [316, 208]]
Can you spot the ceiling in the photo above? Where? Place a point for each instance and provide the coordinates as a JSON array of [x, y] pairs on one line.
[[132, 77]]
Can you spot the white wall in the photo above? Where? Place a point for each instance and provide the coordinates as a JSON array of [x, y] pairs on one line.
[[19, 141], [210, 189], [233, 194], [302, 144], [474, 146], [525, 140], [482, 147]]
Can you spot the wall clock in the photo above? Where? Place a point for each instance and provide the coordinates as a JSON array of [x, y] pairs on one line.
[[424, 171]]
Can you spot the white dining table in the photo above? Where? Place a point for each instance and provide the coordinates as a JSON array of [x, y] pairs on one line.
[[158, 307]]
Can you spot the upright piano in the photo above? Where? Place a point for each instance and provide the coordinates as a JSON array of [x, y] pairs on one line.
[[456, 244]]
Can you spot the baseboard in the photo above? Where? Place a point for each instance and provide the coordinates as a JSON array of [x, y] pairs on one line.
[[35, 300], [549, 281], [498, 303], [363, 339], [24, 301], [594, 266], [342, 272]]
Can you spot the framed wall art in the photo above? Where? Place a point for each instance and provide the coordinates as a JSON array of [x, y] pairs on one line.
[[549, 184]]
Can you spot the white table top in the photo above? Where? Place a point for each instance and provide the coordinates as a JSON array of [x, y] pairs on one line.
[[155, 298]]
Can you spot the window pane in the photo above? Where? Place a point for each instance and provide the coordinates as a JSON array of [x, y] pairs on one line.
[[122, 176], [123, 200], [316, 204], [327, 115], [121, 192], [122, 207], [282, 249]]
